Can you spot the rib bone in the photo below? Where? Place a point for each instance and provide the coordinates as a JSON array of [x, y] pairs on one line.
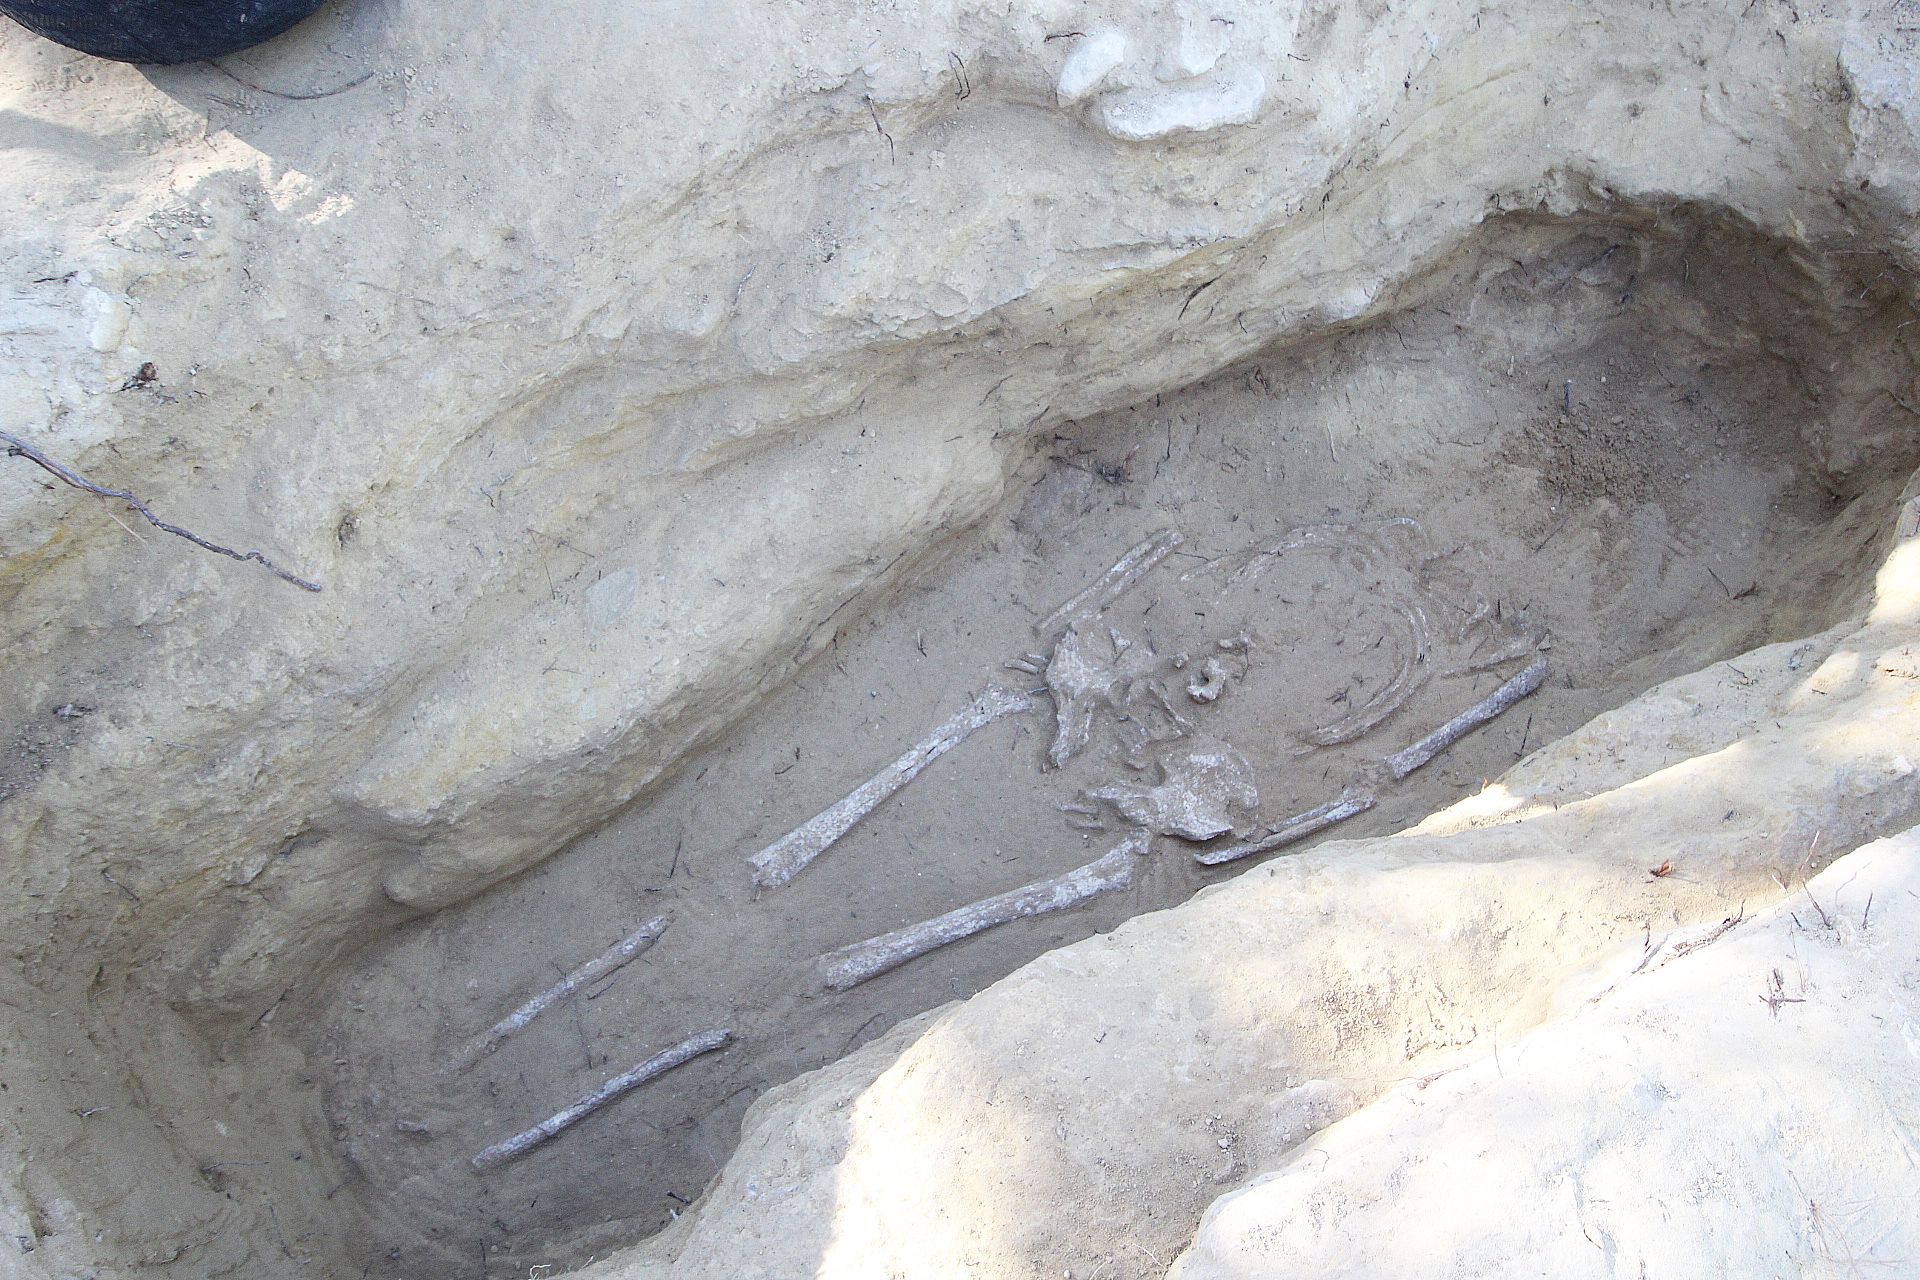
[[624, 1083], [608, 961], [1249, 565], [1411, 672], [786, 857], [852, 965]]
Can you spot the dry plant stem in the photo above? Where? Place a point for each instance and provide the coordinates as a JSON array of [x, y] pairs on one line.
[[1111, 585], [609, 961], [786, 857], [850, 966], [18, 448], [624, 1083], [1298, 827], [1701, 938], [1407, 759]]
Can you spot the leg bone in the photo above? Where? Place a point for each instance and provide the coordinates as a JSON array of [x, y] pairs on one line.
[[608, 961], [1407, 759], [1298, 827], [1112, 584], [786, 857], [852, 965], [624, 1083]]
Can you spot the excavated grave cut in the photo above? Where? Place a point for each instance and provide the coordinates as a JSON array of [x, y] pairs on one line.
[[1628, 446]]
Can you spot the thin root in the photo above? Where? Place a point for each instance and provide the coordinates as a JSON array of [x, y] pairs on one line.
[[18, 448]]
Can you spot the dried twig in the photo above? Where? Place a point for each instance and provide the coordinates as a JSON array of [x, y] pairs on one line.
[[852, 965], [1541, 545], [786, 857], [1776, 994], [880, 128], [18, 448], [1649, 950], [624, 1083], [608, 961], [129, 894], [959, 66], [1701, 938], [1196, 291]]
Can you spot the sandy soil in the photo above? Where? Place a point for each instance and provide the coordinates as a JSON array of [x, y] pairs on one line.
[[1631, 500]]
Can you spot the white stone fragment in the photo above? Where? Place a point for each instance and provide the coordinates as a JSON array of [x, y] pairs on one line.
[[1216, 103], [1095, 56], [1198, 48], [111, 316]]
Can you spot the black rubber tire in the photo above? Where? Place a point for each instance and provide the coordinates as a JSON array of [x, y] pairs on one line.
[[158, 31]]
